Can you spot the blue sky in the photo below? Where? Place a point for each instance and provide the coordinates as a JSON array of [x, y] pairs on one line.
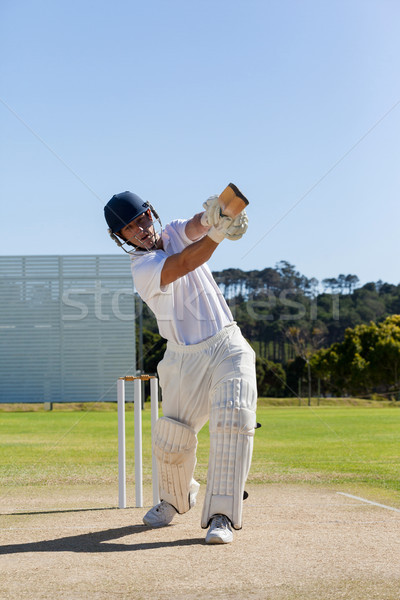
[[297, 102]]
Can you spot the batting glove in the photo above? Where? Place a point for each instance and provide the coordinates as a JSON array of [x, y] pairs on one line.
[[218, 232], [238, 228], [212, 212]]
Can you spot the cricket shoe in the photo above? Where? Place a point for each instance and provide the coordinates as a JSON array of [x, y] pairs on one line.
[[160, 515], [220, 531]]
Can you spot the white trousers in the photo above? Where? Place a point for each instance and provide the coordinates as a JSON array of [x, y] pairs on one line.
[[215, 380]]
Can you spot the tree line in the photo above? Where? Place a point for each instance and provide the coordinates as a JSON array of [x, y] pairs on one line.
[[288, 318]]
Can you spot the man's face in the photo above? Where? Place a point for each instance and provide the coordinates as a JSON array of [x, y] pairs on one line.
[[140, 231]]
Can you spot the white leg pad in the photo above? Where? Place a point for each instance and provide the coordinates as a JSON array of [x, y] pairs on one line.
[[232, 426], [175, 451]]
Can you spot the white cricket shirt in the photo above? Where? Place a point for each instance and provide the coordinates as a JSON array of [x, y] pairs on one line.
[[188, 310]]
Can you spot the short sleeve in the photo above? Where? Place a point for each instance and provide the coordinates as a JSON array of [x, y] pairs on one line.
[[176, 231], [146, 272], [181, 228]]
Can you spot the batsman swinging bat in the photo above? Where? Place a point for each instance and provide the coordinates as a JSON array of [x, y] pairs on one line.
[[232, 201]]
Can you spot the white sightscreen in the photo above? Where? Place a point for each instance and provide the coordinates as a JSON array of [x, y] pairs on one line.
[[67, 327]]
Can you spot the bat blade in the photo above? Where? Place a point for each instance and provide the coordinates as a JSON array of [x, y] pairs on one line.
[[232, 201]]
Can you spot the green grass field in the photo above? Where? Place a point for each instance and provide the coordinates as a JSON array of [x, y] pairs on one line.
[[319, 445]]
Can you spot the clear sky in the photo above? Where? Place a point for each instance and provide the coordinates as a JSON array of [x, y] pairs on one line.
[[297, 102]]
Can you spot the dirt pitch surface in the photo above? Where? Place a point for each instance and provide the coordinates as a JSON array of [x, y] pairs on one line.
[[298, 542]]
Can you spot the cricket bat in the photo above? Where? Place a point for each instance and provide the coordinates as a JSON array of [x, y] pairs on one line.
[[232, 201]]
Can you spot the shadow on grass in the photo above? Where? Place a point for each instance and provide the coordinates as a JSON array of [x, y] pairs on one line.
[[97, 542]]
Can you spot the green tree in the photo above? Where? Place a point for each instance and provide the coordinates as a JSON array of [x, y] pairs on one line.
[[271, 377], [385, 356], [367, 360]]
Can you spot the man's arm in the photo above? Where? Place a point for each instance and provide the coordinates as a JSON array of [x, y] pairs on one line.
[[194, 229], [189, 259], [200, 251]]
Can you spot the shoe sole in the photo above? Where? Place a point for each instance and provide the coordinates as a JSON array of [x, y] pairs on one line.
[[216, 539], [155, 525]]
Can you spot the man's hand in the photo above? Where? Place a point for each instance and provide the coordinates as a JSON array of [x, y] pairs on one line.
[[218, 232], [226, 228], [212, 212], [238, 228]]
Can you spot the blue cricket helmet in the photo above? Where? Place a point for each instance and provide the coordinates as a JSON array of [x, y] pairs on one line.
[[122, 209]]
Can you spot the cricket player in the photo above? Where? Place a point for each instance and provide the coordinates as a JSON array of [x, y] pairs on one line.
[[208, 370]]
